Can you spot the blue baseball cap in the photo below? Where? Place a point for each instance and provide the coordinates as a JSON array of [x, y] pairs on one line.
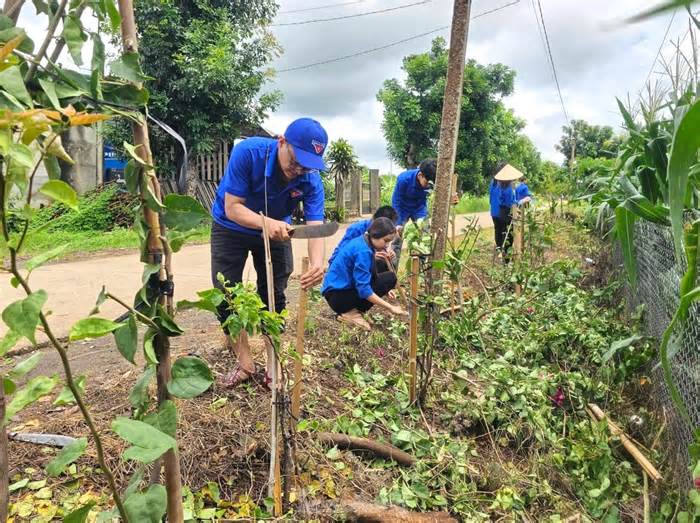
[[309, 140]]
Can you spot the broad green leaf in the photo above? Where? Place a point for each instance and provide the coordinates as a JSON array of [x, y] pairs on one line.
[[177, 239], [126, 338], [659, 9], [66, 396], [148, 443], [684, 153], [621, 344], [8, 386], [92, 327], [53, 169], [19, 484], [23, 316], [25, 366], [115, 18], [132, 173], [34, 389], [60, 191], [209, 300], [98, 54], [79, 515], [75, 37], [128, 68], [42, 258], [147, 507], [132, 150], [8, 341], [11, 80], [151, 200], [66, 456], [183, 212], [138, 396], [624, 227], [166, 324], [9, 32], [149, 350], [49, 89], [165, 419], [190, 377], [21, 154]]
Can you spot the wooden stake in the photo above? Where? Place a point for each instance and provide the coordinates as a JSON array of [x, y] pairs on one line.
[[274, 488], [597, 413], [515, 225], [299, 364], [154, 254], [413, 329], [402, 295]]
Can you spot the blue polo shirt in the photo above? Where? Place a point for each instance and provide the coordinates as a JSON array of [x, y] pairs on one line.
[[409, 199], [522, 191], [352, 232], [351, 269], [506, 197], [254, 162], [495, 199]]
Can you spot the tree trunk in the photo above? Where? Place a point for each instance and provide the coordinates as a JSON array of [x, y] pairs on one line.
[[11, 9], [4, 460], [449, 130]]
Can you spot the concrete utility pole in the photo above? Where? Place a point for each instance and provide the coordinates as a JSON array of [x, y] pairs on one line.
[[449, 129]]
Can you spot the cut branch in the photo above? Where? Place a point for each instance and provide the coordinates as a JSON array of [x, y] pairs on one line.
[[383, 450]]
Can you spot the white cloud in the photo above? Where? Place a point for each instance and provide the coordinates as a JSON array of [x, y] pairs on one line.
[[597, 58]]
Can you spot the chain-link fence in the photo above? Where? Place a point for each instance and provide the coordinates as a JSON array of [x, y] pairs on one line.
[[657, 290]]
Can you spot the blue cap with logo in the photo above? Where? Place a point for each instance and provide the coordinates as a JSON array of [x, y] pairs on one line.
[[309, 140]]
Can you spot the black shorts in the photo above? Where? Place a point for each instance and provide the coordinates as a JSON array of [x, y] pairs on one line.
[[229, 252]]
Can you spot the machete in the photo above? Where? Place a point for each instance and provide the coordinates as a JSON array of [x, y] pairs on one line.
[[322, 230]]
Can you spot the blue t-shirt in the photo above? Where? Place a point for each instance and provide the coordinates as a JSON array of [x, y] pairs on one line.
[[253, 162], [352, 232], [495, 199], [409, 199], [522, 191], [351, 269], [506, 197]]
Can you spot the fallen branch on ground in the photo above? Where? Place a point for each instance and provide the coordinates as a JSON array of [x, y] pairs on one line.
[[383, 450], [351, 510]]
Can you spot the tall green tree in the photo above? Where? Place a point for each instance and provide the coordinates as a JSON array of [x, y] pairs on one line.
[[592, 141], [488, 131], [342, 161], [207, 62]]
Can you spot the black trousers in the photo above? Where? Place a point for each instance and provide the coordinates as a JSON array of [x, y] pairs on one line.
[[345, 300], [229, 252], [503, 233]]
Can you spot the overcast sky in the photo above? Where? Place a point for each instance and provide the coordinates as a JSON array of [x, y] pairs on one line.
[[596, 56]]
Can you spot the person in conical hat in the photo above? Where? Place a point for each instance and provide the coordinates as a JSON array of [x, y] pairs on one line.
[[502, 198]]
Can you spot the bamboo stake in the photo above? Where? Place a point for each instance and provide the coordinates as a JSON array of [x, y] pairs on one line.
[[299, 364], [402, 295], [274, 487], [413, 328], [640, 458]]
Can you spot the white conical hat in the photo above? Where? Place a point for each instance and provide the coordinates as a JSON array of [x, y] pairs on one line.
[[508, 174]]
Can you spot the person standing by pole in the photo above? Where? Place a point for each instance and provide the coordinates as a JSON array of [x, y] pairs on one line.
[[269, 176]]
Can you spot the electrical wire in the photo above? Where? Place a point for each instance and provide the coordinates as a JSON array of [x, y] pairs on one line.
[[392, 44], [551, 62], [321, 7], [355, 15]]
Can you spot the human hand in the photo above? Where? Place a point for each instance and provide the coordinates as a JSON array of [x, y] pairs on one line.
[[391, 295], [398, 310], [311, 277], [277, 230]]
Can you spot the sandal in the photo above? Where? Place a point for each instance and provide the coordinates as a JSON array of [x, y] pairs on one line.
[[237, 376]]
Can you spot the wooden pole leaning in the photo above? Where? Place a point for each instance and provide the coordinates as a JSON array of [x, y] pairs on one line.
[[517, 241], [274, 487], [413, 329], [299, 363]]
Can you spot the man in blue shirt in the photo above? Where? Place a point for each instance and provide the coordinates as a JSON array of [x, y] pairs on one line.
[[268, 175], [410, 198], [361, 227]]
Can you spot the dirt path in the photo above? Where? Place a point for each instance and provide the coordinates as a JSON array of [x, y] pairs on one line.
[[74, 286]]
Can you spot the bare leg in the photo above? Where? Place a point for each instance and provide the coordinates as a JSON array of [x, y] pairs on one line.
[[242, 351]]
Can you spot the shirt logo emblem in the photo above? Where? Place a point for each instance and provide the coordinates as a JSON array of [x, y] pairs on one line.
[[295, 193], [318, 146]]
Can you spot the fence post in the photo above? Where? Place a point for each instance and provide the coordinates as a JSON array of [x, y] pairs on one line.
[[413, 332], [517, 241], [374, 190]]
